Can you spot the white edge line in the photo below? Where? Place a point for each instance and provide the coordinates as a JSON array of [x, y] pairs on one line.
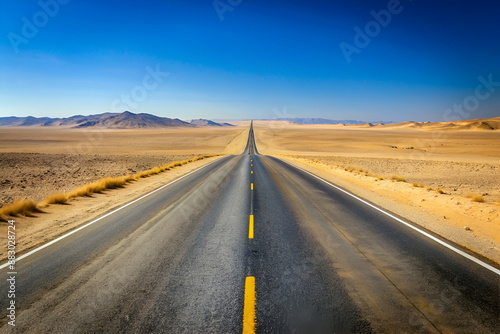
[[96, 220], [456, 250]]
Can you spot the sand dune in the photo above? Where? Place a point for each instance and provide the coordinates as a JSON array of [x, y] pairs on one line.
[[483, 124], [486, 124]]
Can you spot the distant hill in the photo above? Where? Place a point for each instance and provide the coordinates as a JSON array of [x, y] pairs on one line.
[[124, 120], [128, 120], [77, 119], [206, 122], [23, 121]]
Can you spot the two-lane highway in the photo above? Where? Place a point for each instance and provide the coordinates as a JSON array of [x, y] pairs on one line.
[[249, 244]]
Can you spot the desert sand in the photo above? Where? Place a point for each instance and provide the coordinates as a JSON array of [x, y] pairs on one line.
[[447, 181], [37, 162]]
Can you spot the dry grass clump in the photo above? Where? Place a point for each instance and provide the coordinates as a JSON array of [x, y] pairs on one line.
[[349, 169], [55, 199], [100, 186], [27, 207], [158, 170], [418, 185], [429, 188], [121, 181], [356, 170], [149, 172], [475, 198], [440, 191], [398, 178], [86, 190], [366, 172], [380, 178], [24, 207]]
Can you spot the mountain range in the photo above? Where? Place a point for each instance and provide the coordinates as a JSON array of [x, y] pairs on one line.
[[124, 120]]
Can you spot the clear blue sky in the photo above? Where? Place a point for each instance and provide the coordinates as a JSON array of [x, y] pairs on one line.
[[265, 59]]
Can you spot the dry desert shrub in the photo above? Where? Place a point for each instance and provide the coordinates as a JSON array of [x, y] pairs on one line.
[[475, 198], [418, 185], [55, 199], [398, 178], [365, 171], [478, 198], [98, 187], [24, 207], [440, 191], [86, 190]]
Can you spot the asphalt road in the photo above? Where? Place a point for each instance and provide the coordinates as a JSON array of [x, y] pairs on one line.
[[248, 243]]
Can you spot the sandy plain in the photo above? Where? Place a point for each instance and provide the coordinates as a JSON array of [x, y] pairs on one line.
[[444, 172], [36, 162]]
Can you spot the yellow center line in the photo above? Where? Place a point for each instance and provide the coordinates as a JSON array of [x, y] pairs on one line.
[[251, 172], [250, 228], [251, 186], [249, 319], [251, 165]]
